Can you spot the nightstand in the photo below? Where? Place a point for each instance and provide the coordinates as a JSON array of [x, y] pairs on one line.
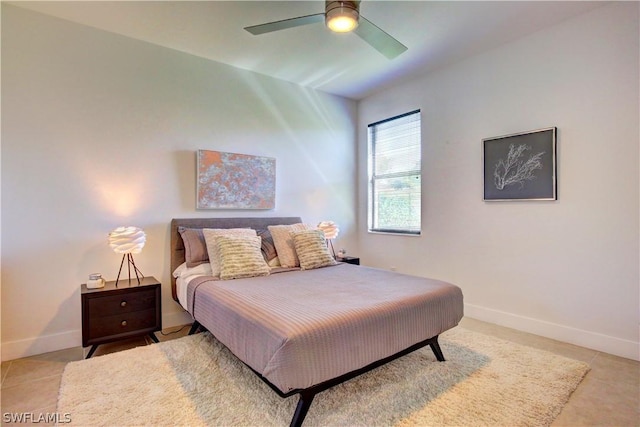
[[113, 313], [349, 260]]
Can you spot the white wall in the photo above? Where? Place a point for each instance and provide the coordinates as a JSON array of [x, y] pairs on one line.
[[566, 269], [99, 131]]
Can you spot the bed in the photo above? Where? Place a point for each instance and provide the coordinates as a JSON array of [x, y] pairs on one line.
[[303, 331]]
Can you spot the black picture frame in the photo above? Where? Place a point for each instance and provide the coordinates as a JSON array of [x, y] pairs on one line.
[[521, 166]]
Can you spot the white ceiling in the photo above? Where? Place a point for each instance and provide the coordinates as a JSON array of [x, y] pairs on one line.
[[437, 33]]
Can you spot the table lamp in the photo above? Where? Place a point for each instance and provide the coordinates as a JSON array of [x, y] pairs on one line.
[[128, 241], [330, 230]]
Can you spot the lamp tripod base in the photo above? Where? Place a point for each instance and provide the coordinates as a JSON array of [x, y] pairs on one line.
[[331, 246], [130, 263]]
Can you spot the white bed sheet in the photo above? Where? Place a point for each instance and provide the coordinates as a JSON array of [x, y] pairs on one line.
[[182, 283], [185, 275]]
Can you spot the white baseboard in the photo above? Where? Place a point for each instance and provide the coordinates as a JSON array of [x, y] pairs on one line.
[[593, 340], [41, 344], [60, 341]]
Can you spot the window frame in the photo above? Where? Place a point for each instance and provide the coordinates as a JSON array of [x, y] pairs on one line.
[[372, 178]]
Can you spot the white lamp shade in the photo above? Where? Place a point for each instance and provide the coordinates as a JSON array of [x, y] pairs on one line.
[[127, 240], [330, 229]]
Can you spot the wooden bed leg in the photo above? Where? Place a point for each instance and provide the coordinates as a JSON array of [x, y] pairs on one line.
[[194, 327], [436, 349], [301, 410]]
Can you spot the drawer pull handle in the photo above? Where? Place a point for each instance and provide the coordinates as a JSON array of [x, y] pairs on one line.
[[124, 323], [123, 304]]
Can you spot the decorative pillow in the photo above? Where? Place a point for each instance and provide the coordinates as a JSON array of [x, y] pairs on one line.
[[210, 237], [311, 247], [195, 248], [240, 256], [268, 247], [284, 243]]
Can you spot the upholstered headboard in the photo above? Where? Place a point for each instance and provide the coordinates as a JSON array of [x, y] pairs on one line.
[[177, 246]]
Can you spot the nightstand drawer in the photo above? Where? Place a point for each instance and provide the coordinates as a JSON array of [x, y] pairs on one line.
[[125, 303], [122, 323]]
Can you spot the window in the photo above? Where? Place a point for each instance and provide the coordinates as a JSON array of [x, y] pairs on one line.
[[395, 174]]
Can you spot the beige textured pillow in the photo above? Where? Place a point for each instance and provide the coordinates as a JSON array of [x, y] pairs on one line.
[[311, 248], [284, 242], [210, 237], [241, 257]]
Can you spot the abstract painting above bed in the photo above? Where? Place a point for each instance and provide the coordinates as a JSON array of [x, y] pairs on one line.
[[235, 181]]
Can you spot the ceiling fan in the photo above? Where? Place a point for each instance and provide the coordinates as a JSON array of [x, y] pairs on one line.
[[341, 17]]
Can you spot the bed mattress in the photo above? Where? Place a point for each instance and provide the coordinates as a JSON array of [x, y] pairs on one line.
[[300, 328]]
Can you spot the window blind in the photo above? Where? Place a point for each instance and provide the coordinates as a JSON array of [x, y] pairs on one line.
[[395, 190]]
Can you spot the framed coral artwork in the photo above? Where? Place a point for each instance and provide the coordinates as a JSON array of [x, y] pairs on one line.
[[520, 166], [235, 181]]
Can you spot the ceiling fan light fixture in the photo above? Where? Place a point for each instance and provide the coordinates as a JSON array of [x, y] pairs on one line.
[[341, 16]]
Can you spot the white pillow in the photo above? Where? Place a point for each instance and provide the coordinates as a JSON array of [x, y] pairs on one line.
[[200, 270], [283, 242], [210, 237], [178, 271]]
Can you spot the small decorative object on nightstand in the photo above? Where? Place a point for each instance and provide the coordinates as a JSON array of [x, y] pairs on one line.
[[113, 313], [95, 281], [349, 260]]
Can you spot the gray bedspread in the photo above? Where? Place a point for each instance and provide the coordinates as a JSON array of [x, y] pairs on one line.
[[300, 328]]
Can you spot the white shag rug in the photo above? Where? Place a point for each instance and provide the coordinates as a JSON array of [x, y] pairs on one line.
[[195, 381]]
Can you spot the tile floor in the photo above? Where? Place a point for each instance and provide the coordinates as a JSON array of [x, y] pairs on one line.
[[608, 396]]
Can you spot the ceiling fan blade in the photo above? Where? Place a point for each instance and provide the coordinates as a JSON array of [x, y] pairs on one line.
[[285, 23], [378, 39]]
